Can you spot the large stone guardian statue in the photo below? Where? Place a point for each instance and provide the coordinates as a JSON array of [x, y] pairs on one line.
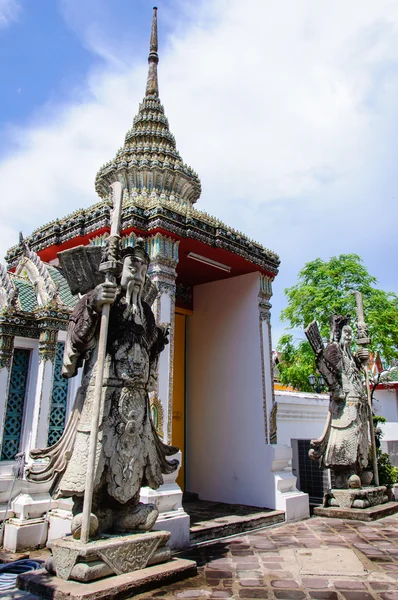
[[129, 452]]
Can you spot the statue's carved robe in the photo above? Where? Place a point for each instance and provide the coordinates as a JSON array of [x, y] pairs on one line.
[[129, 451], [344, 442]]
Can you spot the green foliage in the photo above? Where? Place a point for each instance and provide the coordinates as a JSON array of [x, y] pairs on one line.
[[296, 363], [323, 289], [388, 474]]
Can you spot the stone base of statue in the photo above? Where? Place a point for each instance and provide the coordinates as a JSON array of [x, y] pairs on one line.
[[109, 567], [109, 555], [373, 513], [47, 586], [362, 504], [357, 497]]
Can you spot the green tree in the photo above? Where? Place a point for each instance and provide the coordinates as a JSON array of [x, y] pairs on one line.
[[323, 289]]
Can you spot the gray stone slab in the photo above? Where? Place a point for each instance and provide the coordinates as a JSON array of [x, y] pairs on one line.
[[358, 514], [49, 586], [329, 561]]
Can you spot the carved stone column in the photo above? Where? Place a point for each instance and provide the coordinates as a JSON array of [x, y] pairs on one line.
[[168, 498], [6, 353], [264, 306], [47, 349], [163, 252]]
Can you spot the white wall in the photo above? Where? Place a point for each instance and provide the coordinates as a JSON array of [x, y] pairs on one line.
[[300, 415], [225, 415], [303, 415], [385, 402]]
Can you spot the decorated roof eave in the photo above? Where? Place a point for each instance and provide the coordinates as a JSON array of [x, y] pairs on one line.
[[168, 178], [148, 215], [8, 292], [30, 324]]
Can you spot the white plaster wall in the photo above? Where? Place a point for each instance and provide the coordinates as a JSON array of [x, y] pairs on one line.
[[390, 432], [303, 415], [385, 403], [300, 415], [225, 416]]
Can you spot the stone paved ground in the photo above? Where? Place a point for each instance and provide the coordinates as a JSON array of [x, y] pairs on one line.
[[315, 559]]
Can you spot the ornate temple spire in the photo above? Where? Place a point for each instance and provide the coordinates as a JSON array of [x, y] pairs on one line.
[[152, 85], [149, 161]]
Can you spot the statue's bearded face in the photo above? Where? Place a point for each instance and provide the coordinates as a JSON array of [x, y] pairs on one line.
[[346, 336], [133, 273]]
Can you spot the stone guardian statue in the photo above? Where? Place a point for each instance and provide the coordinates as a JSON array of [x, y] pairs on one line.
[[348, 434], [344, 444], [129, 452]]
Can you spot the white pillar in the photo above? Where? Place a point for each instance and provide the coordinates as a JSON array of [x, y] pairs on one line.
[[42, 403], [264, 306], [282, 493], [163, 252]]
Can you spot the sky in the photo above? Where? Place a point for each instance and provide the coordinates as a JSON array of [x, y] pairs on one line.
[[287, 110]]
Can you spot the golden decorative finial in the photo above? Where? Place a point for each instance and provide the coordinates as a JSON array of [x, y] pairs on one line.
[[152, 86]]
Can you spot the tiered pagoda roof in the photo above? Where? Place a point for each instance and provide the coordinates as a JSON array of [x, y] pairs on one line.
[[159, 196], [149, 160]]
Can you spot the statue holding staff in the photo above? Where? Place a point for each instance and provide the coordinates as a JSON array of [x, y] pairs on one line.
[[344, 444], [127, 451]]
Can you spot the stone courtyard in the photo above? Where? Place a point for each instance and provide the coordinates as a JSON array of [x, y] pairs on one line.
[[318, 559]]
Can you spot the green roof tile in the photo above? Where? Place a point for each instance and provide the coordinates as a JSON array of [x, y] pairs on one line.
[[64, 290], [27, 294]]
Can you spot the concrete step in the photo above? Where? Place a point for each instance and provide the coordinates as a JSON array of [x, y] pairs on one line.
[[226, 525]]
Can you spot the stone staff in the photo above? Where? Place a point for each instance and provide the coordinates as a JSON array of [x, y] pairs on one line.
[[363, 340], [110, 267]]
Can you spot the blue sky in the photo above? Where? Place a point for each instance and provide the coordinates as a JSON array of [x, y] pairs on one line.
[[286, 110], [48, 49]]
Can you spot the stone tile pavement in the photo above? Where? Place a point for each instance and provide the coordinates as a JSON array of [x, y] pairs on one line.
[[315, 559]]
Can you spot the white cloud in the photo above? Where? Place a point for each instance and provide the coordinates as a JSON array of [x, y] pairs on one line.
[[9, 11], [287, 110]]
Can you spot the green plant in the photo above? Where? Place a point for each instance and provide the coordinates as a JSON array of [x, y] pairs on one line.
[[323, 289], [388, 474]]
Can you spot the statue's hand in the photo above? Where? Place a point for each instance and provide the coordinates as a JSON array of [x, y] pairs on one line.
[[105, 293], [362, 354]]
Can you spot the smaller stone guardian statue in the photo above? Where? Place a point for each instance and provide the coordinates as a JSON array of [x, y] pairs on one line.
[[344, 444]]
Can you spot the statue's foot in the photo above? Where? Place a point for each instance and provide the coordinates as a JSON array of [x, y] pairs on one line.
[[76, 526], [141, 517], [354, 482], [366, 478]]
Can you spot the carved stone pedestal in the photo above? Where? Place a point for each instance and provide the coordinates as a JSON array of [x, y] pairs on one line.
[[356, 498], [363, 504], [110, 555], [117, 587], [358, 514]]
